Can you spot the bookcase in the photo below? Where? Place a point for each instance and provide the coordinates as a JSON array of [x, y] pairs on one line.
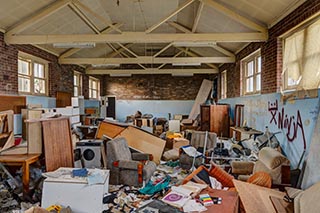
[[215, 118]]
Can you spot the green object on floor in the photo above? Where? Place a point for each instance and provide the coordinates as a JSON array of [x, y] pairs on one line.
[[151, 189]]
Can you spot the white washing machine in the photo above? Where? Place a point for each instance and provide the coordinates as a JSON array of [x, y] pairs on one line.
[[90, 153]]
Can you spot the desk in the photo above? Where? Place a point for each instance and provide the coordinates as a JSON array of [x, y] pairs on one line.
[[24, 161], [239, 133], [230, 201]]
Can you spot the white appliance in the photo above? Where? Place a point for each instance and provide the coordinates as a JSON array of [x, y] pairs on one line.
[[75, 192], [90, 153]]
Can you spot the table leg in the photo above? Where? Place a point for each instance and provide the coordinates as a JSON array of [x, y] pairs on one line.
[[25, 178]]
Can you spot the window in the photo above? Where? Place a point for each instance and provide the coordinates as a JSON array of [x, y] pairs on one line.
[[32, 75], [223, 81], [77, 84], [301, 58], [251, 74], [94, 88]]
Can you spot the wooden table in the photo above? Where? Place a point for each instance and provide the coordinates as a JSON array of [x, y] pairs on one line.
[[230, 201], [240, 133], [24, 161]]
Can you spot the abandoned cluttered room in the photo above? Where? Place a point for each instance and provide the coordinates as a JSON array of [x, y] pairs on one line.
[[149, 106]]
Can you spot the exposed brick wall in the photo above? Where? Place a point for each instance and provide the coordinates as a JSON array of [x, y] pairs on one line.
[[271, 52], [8, 68], [60, 76], [154, 87]]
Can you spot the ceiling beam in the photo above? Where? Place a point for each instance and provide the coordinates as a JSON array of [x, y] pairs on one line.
[[184, 5], [197, 19], [235, 16], [192, 54], [101, 18], [179, 27], [163, 49], [52, 8], [150, 71], [176, 55], [147, 60], [74, 50], [84, 18], [222, 50], [136, 37]]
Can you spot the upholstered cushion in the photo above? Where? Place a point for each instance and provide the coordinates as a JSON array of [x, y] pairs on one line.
[[271, 158], [221, 175], [308, 200], [242, 167]]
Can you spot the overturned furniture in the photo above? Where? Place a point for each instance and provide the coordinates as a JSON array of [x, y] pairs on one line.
[[125, 167], [6, 130], [270, 161]]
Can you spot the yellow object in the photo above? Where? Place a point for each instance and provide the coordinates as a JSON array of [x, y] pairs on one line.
[[171, 135], [56, 208]]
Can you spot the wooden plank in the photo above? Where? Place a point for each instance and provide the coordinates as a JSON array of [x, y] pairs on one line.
[[63, 99], [109, 129], [202, 96], [144, 142], [57, 143], [14, 103]]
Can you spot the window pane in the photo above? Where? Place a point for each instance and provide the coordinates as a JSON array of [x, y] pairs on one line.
[[38, 70], [24, 84], [23, 67], [94, 85], [259, 64], [250, 68], [293, 74], [39, 86], [94, 94], [258, 82], [250, 84], [75, 91], [75, 80]]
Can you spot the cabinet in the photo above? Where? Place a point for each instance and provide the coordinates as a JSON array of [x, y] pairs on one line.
[[215, 118]]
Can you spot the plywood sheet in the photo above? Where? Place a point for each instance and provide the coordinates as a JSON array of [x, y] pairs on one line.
[[256, 199], [109, 129], [14, 103], [63, 99], [144, 142], [201, 98], [57, 143]]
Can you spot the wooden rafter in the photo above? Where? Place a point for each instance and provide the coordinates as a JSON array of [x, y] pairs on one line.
[[52, 8], [74, 50], [149, 71], [184, 5], [163, 49], [84, 17], [179, 27], [197, 19], [192, 54], [147, 60], [136, 37], [101, 18], [176, 55], [222, 50], [235, 16]]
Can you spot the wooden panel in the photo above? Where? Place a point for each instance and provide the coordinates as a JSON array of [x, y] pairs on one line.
[[57, 143], [14, 103], [205, 117], [144, 142], [63, 99], [6, 134], [201, 98], [219, 120], [109, 129]]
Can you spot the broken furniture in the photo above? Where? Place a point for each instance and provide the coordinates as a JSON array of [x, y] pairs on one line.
[[6, 130], [125, 167], [270, 161], [241, 133], [83, 194], [204, 142], [24, 161], [215, 118]]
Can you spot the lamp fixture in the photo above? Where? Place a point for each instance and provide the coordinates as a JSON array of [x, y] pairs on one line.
[[182, 74], [74, 45], [105, 65], [194, 44], [120, 75], [187, 64]]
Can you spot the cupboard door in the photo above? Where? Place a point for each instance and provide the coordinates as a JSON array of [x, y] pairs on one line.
[[205, 117], [219, 122]]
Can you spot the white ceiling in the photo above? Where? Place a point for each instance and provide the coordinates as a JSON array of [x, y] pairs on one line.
[[136, 30]]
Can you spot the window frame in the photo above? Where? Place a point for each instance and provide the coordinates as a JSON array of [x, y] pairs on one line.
[[78, 84], [223, 88], [31, 76], [91, 89], [256, 73]]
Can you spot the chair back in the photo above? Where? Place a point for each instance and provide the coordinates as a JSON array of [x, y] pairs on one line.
[[118, 149], [198, 139]]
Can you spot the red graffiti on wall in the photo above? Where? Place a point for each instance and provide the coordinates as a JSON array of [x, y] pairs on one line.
[[290, 124]]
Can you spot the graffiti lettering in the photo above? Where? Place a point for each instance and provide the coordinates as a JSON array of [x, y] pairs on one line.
[[290, 124]]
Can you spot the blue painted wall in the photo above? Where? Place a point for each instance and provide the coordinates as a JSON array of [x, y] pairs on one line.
[[295, 120], [154, 107]]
